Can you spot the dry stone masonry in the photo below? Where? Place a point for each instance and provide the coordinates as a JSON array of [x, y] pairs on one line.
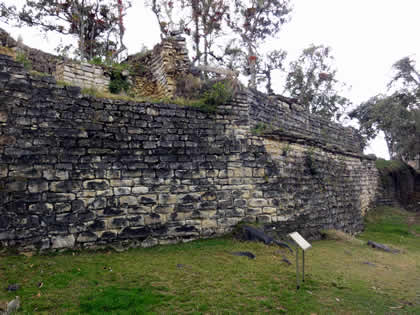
[[82, 74], [156, 73], [76, 171]]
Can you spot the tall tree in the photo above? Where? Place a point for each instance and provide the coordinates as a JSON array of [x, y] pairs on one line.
[[312, 81], [396, 114], [97, 24], [273, 60], [254, 21], [201, 20]]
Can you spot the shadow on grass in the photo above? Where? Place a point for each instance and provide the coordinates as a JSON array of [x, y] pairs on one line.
[[113, 300]]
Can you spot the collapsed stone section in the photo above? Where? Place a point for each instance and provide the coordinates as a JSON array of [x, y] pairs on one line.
[[156, 73], [77, 171]]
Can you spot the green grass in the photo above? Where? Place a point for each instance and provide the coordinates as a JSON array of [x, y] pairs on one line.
[[203, 277]]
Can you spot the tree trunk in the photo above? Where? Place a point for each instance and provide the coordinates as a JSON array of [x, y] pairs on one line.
[[195, 12], [252, 67]]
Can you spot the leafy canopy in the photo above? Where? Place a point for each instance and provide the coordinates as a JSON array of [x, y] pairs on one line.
[[97, 24], [397, 114], [311, 80]]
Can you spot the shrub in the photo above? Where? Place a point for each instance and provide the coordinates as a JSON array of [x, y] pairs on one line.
[[119, 82], [220, 93], [22, 58]]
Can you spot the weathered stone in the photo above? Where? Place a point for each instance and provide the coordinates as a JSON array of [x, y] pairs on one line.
[[37, 186], [3, 117], [129, 201], [58, 242], [87, 237], [101, 171], [97, 184]]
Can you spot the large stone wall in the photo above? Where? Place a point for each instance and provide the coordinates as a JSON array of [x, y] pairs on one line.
[[282, 114], [76, 171]]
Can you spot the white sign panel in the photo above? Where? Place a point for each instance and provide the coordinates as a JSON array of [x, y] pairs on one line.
[[300, 240]]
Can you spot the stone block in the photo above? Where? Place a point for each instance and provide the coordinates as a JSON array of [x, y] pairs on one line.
[[87, 237], [119, 191], [140, 190], [15, 186], [62, 207], [258, 203], [58, 242], [129, 201]]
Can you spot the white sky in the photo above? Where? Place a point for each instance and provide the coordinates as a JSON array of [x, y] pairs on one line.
[[366, 36]]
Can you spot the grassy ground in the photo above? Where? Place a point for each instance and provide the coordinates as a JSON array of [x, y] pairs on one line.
[[203, 277]]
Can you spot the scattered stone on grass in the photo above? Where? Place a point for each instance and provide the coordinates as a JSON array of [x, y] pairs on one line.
[[383, 247], [250, 233], [13, 287], [246, 254]]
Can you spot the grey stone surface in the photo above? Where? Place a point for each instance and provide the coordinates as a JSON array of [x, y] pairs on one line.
[[86, 172]]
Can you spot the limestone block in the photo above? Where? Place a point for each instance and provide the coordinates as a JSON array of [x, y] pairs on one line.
[[96, 184], [3, 116], [128, 201], [63, 241], [37, 186], [118, 191], [140, 190], [149, 242], [87, 237]]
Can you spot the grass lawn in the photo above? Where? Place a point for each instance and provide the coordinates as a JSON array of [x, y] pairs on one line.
[[203, 277]]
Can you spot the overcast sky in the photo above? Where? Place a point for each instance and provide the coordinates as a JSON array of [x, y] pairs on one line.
[[366, 36]]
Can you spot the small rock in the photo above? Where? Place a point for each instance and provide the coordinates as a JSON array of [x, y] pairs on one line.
[[13, 287], [13, 306], [246, 254]]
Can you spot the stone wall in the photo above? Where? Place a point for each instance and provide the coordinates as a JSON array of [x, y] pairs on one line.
[[156, 73], [40, 61], [76, 171], [282, 114], [82, 74]]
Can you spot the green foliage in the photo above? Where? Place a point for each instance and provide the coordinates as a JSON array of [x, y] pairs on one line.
[[96, 61], [220, 93], [392, 115], [389, 225], [396, 114], [39, 74], [312, 81], [286, 149], [259, 128], [98, 25], [389, 166], [210, 96], [22, 58], [119, 82]]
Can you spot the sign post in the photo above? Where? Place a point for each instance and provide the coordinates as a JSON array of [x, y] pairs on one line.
[[304, 245]]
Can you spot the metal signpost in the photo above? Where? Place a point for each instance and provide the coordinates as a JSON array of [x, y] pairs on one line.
[[302, 243]]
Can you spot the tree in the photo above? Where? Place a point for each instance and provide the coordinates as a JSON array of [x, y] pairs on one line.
[[312, 81], [254, 21], [201, 20], [98, 24], [273, 60], [396, 114]]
